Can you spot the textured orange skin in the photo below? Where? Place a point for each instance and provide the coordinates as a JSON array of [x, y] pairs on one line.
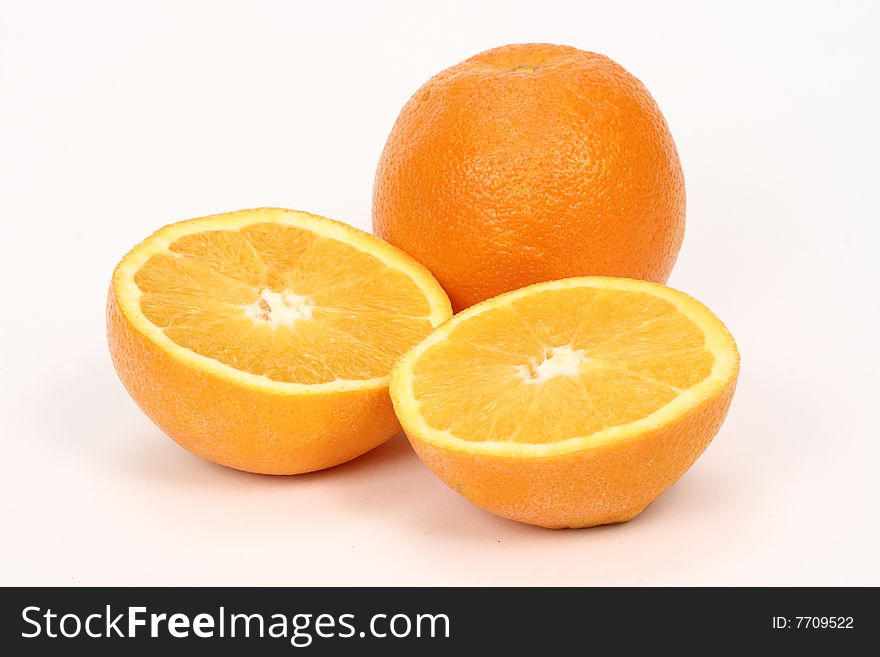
[[609, 484], [243, 428], [496, 176]]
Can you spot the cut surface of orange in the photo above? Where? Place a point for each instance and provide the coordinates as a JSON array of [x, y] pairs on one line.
[[263, 339], [570, 403]]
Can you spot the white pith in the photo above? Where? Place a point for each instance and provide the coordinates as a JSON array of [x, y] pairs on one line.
[[558, 361], [279, 308]]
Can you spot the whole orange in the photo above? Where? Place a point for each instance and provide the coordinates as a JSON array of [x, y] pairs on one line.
[[529, 163]]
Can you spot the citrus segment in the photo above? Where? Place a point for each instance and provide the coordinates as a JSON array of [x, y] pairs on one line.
[[580, 371], [283, 304]]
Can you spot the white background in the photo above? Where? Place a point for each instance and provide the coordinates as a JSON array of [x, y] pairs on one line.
[[119, 117]]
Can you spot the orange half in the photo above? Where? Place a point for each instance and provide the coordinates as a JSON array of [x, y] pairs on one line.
[[569, 403], [263, 339]]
